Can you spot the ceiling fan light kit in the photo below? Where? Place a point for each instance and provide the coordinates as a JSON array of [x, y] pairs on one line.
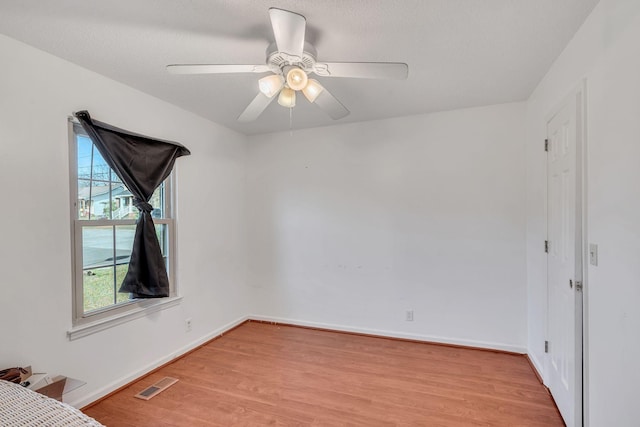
[[312, 90], [287, 98], [290, 60], [271, 85], [296, 78]]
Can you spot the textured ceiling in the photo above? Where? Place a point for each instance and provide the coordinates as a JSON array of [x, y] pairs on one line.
[[461, 53]]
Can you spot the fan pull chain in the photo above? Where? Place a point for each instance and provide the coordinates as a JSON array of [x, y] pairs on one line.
[[290, 121]]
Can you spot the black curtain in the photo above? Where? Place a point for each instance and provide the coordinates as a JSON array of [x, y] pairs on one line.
[[142, 163]]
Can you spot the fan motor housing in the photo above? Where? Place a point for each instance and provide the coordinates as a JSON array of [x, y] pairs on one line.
[[278, 60]]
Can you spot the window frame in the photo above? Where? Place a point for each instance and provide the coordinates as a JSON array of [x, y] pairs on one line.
[[118, 312]]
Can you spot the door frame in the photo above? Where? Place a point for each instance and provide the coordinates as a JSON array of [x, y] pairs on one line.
[[579, 96]]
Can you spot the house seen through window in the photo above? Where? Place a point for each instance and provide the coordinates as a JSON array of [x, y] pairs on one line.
[[104, 226]]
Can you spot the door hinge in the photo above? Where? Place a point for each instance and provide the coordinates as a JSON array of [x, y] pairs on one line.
[[546, 145], [546, 346], [546, 246], [578, 285]]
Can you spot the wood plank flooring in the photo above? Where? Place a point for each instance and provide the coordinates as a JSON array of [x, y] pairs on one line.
[[261, 374]]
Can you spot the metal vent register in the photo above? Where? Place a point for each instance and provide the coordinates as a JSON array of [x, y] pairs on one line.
[[156, 388]]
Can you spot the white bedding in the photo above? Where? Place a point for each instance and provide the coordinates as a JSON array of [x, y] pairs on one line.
[[20, 407]]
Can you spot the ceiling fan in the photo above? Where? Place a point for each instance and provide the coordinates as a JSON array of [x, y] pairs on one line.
[[290, 60]]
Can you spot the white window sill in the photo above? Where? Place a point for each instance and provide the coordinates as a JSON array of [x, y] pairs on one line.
[[86, 329]]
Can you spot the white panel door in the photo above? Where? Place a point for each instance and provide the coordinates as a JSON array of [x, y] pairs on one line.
[[564, 323]]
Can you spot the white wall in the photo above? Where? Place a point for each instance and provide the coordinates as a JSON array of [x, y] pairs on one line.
[[351, 225], [606, 51], [37, 93]]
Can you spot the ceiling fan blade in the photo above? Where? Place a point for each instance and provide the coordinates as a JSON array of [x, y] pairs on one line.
[[330, 105], [363, 70], [289, 31], [216, 69], [257, 106]]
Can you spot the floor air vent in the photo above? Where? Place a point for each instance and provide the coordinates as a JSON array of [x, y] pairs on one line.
[[157, 388]]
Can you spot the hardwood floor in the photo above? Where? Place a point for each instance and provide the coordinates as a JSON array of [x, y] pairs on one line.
[[261, 374]]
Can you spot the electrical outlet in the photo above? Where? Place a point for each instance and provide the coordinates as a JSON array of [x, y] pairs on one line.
[[409, 316], [187, 324]]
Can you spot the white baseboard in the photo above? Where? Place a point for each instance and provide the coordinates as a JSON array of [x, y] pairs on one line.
[[536, 365], [87, 399], [394, 334]]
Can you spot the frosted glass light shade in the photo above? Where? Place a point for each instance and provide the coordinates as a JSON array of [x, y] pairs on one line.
[[287, 98], [296, 78], [312, 90], [271, 85]]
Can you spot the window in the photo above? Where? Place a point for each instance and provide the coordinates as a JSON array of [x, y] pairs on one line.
[[103, 227]]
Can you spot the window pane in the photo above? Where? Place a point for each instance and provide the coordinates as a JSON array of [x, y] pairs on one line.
[[99, 200], [157, 201], [114, 177], [124, 246], [91, 164], [85, 147], [98, 288], [122, 202], [163, 238], [97, 246], [121, 272], [84, 202], [124, 243], [93, 199]]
